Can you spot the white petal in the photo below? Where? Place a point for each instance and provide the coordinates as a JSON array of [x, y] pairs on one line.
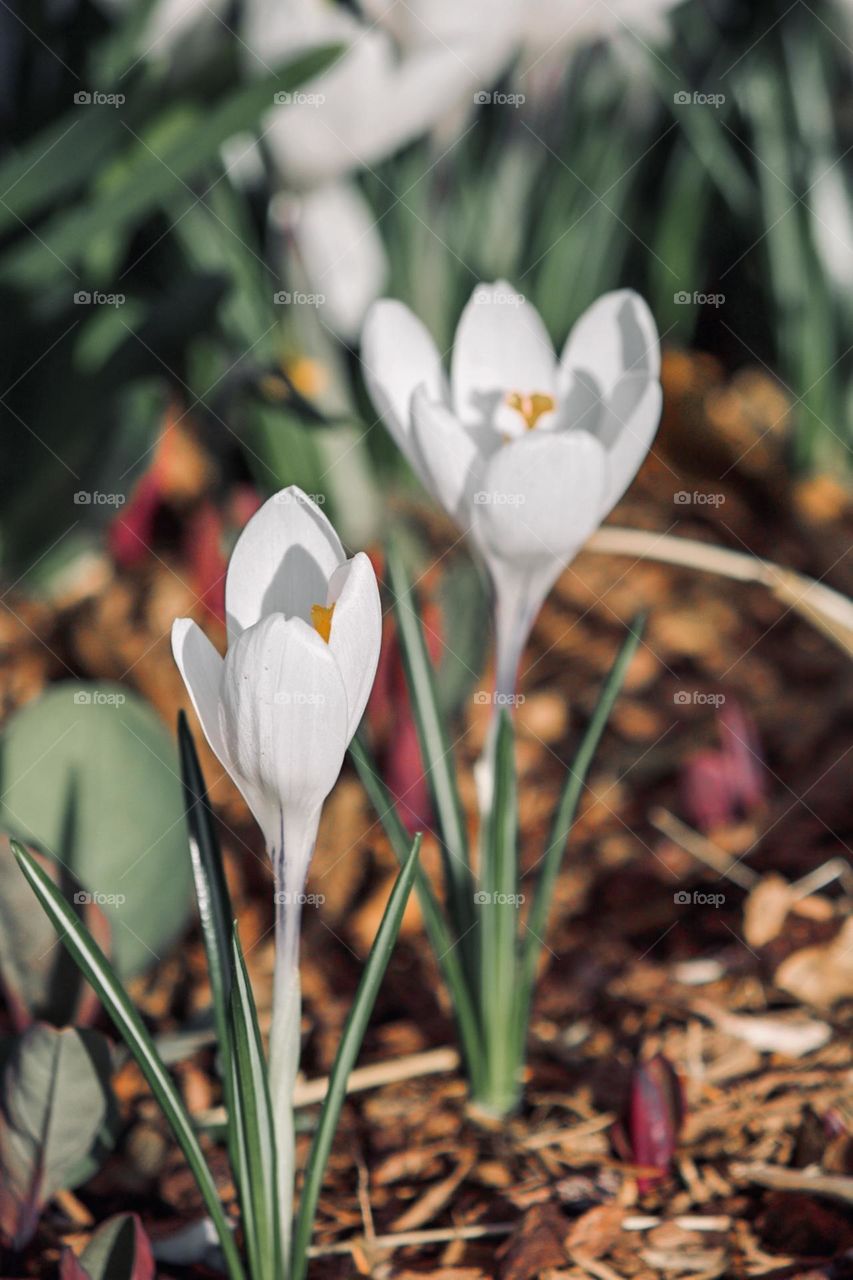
[[356, 632], [449, 453], [284, 717], [631, 417], [616, 335], [501, 346], [341, 251], [201, 667], [541, 498], [282, 562], [203, 671], [397, 355]]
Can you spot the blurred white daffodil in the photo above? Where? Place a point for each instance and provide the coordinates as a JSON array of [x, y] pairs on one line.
[[528, 454], [279, 711]]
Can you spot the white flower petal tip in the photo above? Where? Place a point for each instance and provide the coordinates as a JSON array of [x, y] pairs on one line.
[[201, 667], [501, 348], [615, 336], [398, 354], [282, 561]]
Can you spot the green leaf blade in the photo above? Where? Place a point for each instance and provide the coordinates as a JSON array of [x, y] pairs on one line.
[[437, 754], [444, 948], [564, 816], [259, 1182], [87, 954], [348, 1049]]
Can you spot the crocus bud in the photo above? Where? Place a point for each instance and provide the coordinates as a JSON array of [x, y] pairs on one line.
[[647, 1132]]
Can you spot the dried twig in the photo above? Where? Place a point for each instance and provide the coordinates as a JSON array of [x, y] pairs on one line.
[[827, 610], [701, 847], [407, 1239], [308, 1092], [833, 1186]]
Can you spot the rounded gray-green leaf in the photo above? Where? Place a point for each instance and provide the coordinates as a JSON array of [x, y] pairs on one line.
[[89, 775]]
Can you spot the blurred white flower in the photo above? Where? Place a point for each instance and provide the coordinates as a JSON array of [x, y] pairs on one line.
[[527, 453], [304, 626], [333, 232], [406, 64]]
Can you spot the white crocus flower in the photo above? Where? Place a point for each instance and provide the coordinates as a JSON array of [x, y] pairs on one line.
[[528, 454], [279, 711]]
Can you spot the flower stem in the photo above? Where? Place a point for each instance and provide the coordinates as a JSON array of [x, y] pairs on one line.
[[290, 866]]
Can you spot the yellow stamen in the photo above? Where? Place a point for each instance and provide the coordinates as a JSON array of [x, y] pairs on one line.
[[321, 620], [531, 408]]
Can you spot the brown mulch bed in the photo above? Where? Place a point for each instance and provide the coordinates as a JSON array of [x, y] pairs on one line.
[[628, 970]]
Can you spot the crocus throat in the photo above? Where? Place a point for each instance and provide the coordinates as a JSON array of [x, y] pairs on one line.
[[530, 407], [321, 620]]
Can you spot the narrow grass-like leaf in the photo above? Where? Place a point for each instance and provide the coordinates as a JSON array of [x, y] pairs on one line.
[[437, 755], [444, 948], [497, 906], [564, 818], [256, 1136], [144, 175], [87, 954], [214, 901], [353, 1034]]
